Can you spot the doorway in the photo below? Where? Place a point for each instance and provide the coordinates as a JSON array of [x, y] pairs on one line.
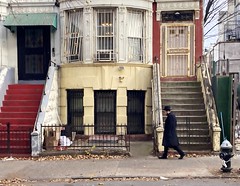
[[33, 52]]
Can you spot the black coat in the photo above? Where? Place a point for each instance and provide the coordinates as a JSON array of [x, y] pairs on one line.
[[170, 138]]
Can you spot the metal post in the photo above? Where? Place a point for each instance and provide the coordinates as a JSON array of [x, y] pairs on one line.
[[8, 139]]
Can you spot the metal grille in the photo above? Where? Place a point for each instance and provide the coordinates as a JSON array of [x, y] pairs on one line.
[[105, 112], [105, 35], [74, 35], [135, 36], [135, 112], [75, 110]]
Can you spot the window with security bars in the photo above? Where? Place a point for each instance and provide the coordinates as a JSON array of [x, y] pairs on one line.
[[74, 35], [105, 35], [75, 110], [135, 35]]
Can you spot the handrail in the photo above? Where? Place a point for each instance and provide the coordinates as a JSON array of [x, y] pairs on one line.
[[211, 111], [42, 96], [157, 103], [208, 94]]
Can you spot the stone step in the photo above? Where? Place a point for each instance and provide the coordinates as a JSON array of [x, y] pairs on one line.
[[192, 132], [180, 89], [180, 83], [178, 95], [171, 101], [190, 119], [193, 125], [186, 113], [194, 139], [190, 106]]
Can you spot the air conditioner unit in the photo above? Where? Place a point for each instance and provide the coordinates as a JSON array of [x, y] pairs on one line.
[[104, 56]]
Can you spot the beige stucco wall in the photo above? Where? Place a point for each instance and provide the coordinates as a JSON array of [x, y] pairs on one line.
[[119, 77]]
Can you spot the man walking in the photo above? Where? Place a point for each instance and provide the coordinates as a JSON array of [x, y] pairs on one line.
[[170, 139]]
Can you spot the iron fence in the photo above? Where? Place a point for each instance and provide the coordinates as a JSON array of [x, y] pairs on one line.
[[15, 141], [66, 138]]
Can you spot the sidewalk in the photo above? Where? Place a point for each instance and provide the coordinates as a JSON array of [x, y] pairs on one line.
[[148, 166]]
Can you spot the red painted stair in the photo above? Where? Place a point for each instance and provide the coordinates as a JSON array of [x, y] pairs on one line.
[[19, 109]]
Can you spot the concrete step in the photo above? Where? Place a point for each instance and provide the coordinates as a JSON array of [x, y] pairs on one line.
[[190, 106]]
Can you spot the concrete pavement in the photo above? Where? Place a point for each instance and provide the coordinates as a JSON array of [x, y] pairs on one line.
[[143, 166]]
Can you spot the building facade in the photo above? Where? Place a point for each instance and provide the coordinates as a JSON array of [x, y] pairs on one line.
[[104, 51]]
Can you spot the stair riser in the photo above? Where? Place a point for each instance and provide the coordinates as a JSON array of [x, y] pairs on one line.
[[24, 97], [21, 103], [202, 139], [189, 113], [26, 86], [192, 132], [16, 150], [167, 101], [19, 109], [18, 115], [23, 91], [192, 126], [18, 121], [15, 142], [186, 119], [180, 89], [188, 107], [182, 96], [180, 84]]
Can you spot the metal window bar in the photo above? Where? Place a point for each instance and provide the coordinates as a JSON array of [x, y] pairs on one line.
[[135, 36], [75, 110], [105, 35], [74, 35]]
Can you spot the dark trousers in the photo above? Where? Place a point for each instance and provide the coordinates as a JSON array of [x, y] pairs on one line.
[[177, 148]]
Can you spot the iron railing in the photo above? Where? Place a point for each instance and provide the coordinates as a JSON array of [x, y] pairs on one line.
[[64, 138], [15, 141]]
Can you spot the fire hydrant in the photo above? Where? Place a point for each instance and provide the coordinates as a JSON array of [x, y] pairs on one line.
[[226, 155]]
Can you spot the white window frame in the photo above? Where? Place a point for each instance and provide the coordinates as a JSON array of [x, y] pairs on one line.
[[105, 36], [136, 35], [73, 35]]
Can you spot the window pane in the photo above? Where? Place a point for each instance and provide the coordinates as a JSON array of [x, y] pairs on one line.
[[105, 34], [135, 35]]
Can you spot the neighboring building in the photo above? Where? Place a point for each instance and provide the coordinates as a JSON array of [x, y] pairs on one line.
[[224, 59]]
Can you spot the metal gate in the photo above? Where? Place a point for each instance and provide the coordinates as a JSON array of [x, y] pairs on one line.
[[178, 50], [105, 112], [135, 112]]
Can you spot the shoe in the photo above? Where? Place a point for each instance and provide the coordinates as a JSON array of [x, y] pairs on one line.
[[181, 156], [162, 157]]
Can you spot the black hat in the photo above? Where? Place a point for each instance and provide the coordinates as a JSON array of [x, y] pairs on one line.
[[167, 108]]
